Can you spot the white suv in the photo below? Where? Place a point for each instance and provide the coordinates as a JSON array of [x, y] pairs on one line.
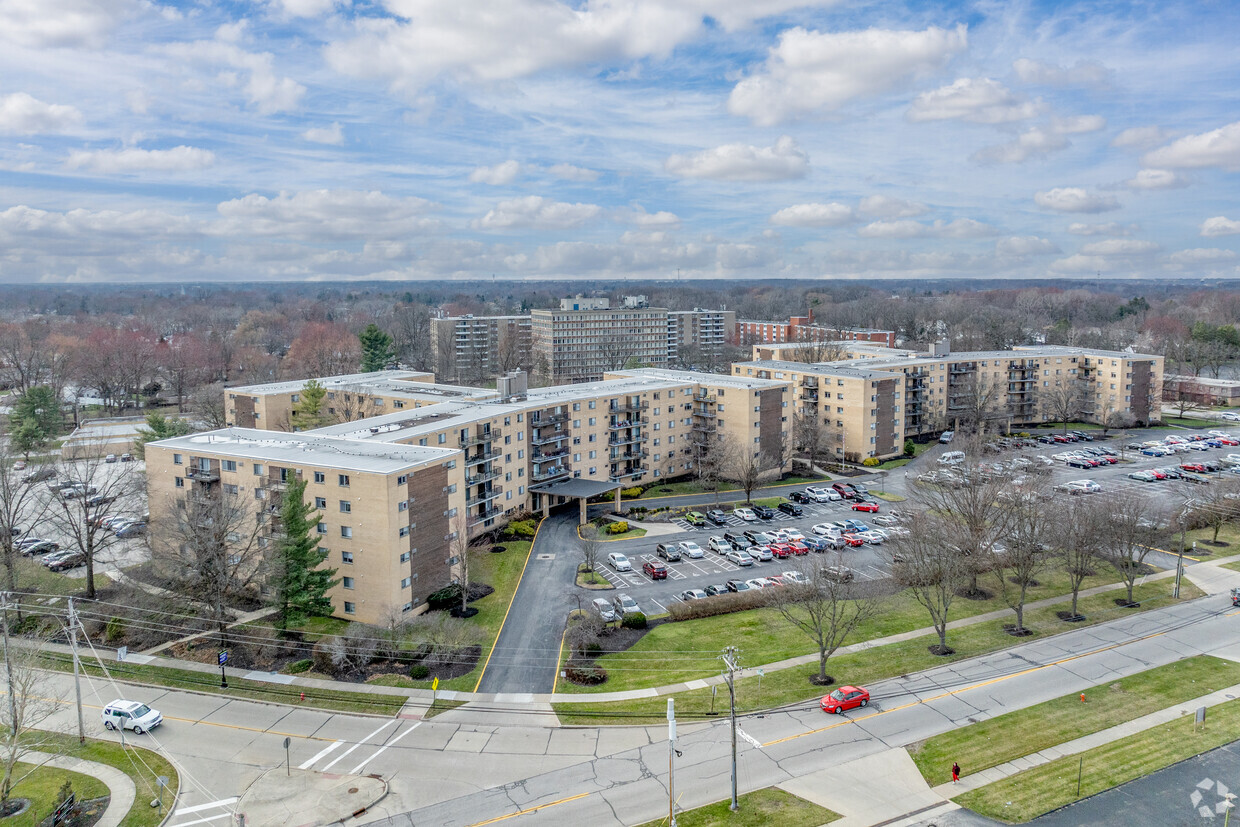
[[122, 714]]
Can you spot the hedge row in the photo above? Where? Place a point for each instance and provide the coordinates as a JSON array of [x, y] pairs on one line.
[[720, 604]]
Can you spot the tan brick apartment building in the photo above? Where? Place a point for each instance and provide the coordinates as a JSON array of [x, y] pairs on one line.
[[479, 348], [585, 338]]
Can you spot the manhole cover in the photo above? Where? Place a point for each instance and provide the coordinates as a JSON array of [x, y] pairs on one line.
[[544, 557], [352, 789]]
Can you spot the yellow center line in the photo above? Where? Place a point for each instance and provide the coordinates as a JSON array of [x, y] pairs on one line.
[[530, 810]]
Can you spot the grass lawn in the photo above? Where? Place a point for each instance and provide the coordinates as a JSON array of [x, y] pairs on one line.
[[42, 787], [787, 686], [1028, 794], [1190, 422], [678, 489], [891, 498], [34, 576], [592, 579], [632, 534], [756, 809], [1228, 533], [989, 743]]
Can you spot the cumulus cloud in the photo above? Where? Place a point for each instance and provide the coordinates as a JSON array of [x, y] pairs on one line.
[[1078, 124], [1140, 137], [308, 8], [1074, 199], [885, 206], [568, 172], [814, 215], [536, 212], [1084, 264], [743, 162], [1082, 73], [61, 23], [1019, 246], [23, 222], [22, 114], [1201, 255], [177, 159], [332, 135], [498, 175], [1032, 143], [976, 100], [641, 218], [1156, 179], [1119, 247], [1097, 229], [318, 214], [266, 91], [960, 228], [1219, 225], [1217, 148], [811, 72]]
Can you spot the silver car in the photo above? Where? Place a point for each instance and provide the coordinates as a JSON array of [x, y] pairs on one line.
[[740, 558], [604, 609]]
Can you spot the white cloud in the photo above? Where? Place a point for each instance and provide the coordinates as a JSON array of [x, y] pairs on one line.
[[332, 135], [1078, 124], [885, 206], [536, 212], [21, 114], [1156, 179], [25, 223], [1140, 137], [814, 215], [308, 8], [1024, 245], [318, 214], [1083, 264], [568, 172], [743, 162], [1217, 148], [960, 228], [977, 100], [644, 237], [177, 159], [641, 218], [498, 175], [812, 72], [1035, 142], [1119, 247], [1219, 225], [1201, 255], [61, 23], [266, 92], [1097, 229], [1074, 199], [1082, 73]]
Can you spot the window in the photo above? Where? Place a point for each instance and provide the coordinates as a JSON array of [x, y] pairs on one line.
[[258, 469], [346, 557], [404, 584], [346, 507], [229, 488], [342, 479], [404, 557], [349, 608], [404, 531], [452, 488], [320, 502], [403, 479], [321, 528], [346, 531], [443, 438], [177, 459], [403, 505], [347, 582], [180, 482], [319, 476]]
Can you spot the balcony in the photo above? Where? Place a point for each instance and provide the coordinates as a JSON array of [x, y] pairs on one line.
[[626, 440], [629, 455], [475, 499], [809, 382], [548, 420], [632, 472], [203, 475], [480, 438], [705, 427], [628, 407], [543, 438], [547, 456], [479, 478], [481, 456], [484, 514], [549, 474], [962, 367], [708, 398], [623, 424]]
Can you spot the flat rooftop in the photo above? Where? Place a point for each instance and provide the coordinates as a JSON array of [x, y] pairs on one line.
[[682, 377], [406, 384], [842, 369], [308, 449]]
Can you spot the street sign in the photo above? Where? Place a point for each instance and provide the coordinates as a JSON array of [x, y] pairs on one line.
[[287, 741], [121, 653], [223, 657], [435, 684]]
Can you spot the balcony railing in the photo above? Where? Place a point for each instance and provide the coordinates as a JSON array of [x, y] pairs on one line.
[[629, 455], [809, 382], [628, 407], [547, 456], [484, 476], [542, 437], [705, 427], [481, 456], [484, 514], [203, 474], [626, 440], [550, 474], [480, 438], [548, 420], [622, 424], [632, 472], [484, 498]]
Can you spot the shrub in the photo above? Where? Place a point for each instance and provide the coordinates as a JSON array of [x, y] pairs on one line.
[[721, 604], [299, 666], [634, 620], [870, 462], [910, 447], [630, 493], [114, 631], [619, 527], [419, 672], [520, 529], [445, 598], [323, 655], [584, 672]]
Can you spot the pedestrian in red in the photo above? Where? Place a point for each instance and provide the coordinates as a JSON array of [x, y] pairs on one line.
[[955, 771]]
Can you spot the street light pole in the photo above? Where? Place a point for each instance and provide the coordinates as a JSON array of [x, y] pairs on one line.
[[77, 671], [8, 662], [671, 762], [729, 659]]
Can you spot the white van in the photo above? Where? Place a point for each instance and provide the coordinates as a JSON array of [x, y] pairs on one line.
[[952, 458]]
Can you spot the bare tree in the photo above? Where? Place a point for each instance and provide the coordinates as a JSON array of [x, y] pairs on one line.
[[1188, 396], [591, 547], [826, 609], [458, 544], [744, 466], [24, 715], [1027, 551], [814, 437], [352, 403], [974, 401], [1065, 402], [209, 407], [1076, 537], [819, 349], [1217, 506], [924, 562], [21, 508], [1128, 533], [208, 545], [411, 331]]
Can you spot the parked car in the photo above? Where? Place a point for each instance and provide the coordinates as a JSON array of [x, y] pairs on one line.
[[823, 494], [721, 588], [20, 465], [738, 586], [719, 545], [604, 608], [947, 436], [763, 512], [655, 570], [795, 577], [797, 497], [132, 715], [825, 528], [690, 549], [76, 490], [844, 492], [625, 605], [1143, 476], [791, 508], [693, 594], [619, 562], [791, 535], [846, 697], [760, 538], [51, 558], [668, 551], [757, 583], [96, 500], [126, 458], [739, 558], [40, 547], [137, 529], [745, 514], [818, 544], [760, 554], [110, 458], [695, 518], [865, 505], [717, 517], [45, 472], [735, 539]]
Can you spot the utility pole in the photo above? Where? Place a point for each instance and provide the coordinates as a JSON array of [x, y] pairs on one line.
[[77, 671], [671, 762], [730, 655], [8, 663], [1179, 565]]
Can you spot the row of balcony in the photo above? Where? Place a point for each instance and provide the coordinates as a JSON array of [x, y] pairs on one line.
[[547, 420], [487, 435], [635, 422], [616, 439], [545, 437], [629, 406], [549, 474]]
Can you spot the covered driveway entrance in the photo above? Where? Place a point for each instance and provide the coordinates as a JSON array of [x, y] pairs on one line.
[[555, 493]]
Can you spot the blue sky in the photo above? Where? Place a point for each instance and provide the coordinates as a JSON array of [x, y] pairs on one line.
[[440, 139]]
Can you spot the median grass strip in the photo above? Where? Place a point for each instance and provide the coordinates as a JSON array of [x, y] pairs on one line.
[[1029, 794], [791, 686], [41, 788], [756, 809], [989, 743]]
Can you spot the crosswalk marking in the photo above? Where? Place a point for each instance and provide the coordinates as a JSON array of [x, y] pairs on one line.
[[197, 808], [359, 767], [321, 754], [355, 746]]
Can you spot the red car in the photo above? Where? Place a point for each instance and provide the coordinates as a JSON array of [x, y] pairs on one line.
[[853, 540], [1193, 466], [846, 493], [780, 550], [846, 697], [798, 548], [865, 506], [656, 570], [1226, 440]]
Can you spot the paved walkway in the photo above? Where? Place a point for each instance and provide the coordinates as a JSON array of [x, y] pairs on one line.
[[248, 617], [120, 786]]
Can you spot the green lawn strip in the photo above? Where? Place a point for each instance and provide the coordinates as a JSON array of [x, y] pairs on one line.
[[142, 765], [678, 489], [1191, 422], [891, 498], [998, 740], [756, 809], [787, 686], [632, 534], [1026, 795], [1233, 566], [238, 687], [688, 650], [35, 577], [1228, 533], [41, 788]]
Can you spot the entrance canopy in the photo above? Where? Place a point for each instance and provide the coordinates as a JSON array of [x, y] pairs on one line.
[[577, 489]]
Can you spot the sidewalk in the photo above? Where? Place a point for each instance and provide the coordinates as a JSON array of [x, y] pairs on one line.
[[120, 786]]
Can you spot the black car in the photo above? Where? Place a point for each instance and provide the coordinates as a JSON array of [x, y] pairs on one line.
[[733, 539], [1081, 435], [763, 512], [791, 508], [717, 517], [751, 536], [798, 497], [738, 586], [40, 547], [1046, 440], [714, 590]]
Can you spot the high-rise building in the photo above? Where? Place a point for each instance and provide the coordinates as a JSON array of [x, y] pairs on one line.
[[479, 348], [585, 338]]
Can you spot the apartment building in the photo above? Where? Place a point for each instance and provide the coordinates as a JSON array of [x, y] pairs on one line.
[[803, 329], [698, 333], [1202, 390], [584, 338], [350, 397], [386, 512], [479, 348]]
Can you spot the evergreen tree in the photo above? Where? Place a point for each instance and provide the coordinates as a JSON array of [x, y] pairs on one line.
[[35, 419], [299, 582], [308, 411], [377, 350], [159, 427]]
